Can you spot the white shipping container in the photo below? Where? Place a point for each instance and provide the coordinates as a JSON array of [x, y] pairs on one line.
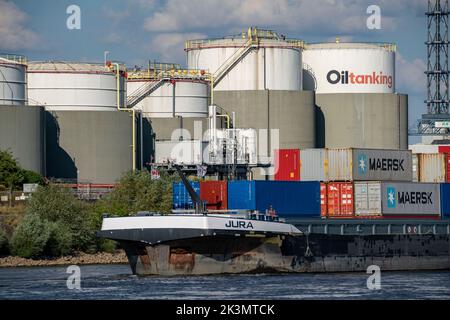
[[415, 167], [367, 199], [431, 167], [188, 152], [313, 164], [397, 199], [354, 164]]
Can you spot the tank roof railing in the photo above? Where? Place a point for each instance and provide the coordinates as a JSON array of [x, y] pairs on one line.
[[253, 33], [14, 57], [151, 74], [392, 47]]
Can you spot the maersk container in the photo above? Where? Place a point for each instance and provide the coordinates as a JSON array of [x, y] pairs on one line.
[[181, 198], [313, 165], [397, 199], [445, 200], [369, 164], [287, 198], [214, 194], [430, 167], [287, 165]]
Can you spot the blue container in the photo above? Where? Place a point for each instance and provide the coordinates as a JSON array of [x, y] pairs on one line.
[[181, 198], [287, 198], [445, 200]]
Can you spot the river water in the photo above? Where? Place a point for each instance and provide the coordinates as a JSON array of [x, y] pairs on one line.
[[117, 282]]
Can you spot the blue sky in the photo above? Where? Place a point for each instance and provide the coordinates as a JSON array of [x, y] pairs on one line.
[[134, 31]]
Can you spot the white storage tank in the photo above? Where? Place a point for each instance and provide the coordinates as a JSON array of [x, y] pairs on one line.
[[349, 67], [272, 62], [185, 97], [76, 86], [13, 81]]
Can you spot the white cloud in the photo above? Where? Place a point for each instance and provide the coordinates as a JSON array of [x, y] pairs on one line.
[[324, 16], [14, 35], [170, 46], [410, 76]]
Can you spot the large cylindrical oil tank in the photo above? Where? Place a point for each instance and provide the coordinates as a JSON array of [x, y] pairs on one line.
[[362, 120], [22, 133], [93, 146], [13, 80], [349, 67], [66, 86], [271, 63], [173, 98]]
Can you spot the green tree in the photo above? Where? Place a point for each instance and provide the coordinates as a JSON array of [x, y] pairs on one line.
[[30, 238], [11, 175], [136, 191], [58, 205]]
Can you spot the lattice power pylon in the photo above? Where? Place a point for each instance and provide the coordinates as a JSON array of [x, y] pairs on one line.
[[437, 70]]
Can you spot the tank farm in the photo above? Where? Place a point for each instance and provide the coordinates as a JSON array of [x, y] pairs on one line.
[[314, 134]]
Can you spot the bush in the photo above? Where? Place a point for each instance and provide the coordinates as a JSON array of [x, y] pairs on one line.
[[30, 238], [60, 240], [107, 245], [4, 248], [32, 177], [135, 192], [58, 205]]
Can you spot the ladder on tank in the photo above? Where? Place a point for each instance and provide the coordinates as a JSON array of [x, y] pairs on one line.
[[143, 91], [231, 62]]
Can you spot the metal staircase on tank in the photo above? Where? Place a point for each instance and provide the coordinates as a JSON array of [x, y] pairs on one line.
[[143, 91], [231, 62]]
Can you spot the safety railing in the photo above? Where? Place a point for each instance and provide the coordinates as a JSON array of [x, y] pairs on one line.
[[391, 47], [140, 93], [14, 57], [253, 33], [174, 73]]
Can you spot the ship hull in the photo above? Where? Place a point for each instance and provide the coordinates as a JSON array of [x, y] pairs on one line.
[[227, 254]]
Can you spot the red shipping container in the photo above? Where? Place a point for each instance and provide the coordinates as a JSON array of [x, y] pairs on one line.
[[448, 167], [444, 149], [287, 165], [214, 193], [340, 200], [323, 200]]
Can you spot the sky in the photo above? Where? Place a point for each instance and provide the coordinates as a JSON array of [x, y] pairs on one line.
[[135, 31]]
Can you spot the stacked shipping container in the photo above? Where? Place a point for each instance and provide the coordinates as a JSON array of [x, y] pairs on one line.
[[287, 165], [286, 198], [354, 182], [180, 196], [431, 163], [214, 194]]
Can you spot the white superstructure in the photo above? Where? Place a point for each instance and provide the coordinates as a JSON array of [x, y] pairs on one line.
[[199, 222], [349, 67], [76, 86], [13, 81]]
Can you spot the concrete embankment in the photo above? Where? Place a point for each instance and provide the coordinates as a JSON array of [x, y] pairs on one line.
[[75, 259]]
